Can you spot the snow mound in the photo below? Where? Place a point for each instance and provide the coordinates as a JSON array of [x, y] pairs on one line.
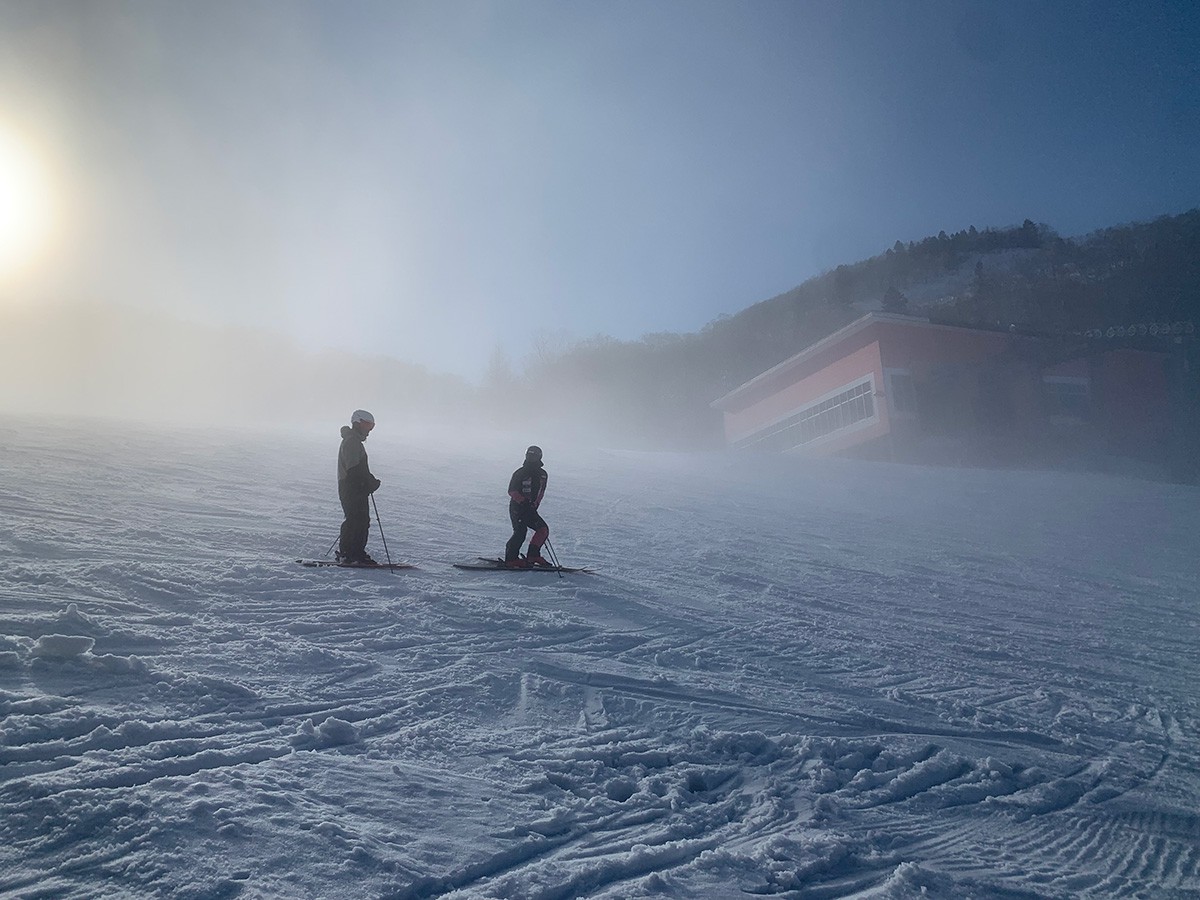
[[61, 646], [333, 732]]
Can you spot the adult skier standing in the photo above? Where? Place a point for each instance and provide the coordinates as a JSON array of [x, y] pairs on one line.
[[525, 491], [356, 484]]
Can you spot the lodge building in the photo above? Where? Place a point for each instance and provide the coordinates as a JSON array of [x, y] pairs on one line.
[[904, 388]]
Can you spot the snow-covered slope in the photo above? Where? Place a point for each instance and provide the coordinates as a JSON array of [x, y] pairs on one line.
[[833, 680]]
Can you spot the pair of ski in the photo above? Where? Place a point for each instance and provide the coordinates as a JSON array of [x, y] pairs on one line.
[[334, 564], [493, 564], [481, 564]]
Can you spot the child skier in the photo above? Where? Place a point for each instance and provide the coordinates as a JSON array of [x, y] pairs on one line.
[[525, 491]]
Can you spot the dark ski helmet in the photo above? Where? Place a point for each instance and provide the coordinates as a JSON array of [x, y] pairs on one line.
[[533, 454]]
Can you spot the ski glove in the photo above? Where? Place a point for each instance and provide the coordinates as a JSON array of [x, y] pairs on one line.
[[376, 486]]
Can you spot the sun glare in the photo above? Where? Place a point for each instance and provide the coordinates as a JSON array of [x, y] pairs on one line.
[[26, 208]]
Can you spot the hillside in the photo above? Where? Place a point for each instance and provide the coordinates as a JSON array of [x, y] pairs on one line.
[[1027, 276], [660, 388]]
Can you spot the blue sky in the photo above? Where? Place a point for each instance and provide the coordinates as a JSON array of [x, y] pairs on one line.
[[435, 180]]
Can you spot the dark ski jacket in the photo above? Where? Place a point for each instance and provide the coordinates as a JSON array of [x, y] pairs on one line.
[[527, 487], [354, 474]]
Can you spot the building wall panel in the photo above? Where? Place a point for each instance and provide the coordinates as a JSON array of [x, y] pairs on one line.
[[791, 398], [1131, 391], [919, 349], [961, 392]]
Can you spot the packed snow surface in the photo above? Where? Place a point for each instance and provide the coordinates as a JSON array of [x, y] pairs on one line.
[[830, 679]]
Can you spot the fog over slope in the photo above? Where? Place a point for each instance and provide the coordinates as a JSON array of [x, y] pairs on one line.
[[125, 363]]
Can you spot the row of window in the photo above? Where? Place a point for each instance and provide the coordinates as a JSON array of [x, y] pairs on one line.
[[840, 411]]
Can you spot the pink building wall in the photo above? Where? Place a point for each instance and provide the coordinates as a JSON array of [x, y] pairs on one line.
[[837, 372], [862, 353], [1000, 372], [920, 348]]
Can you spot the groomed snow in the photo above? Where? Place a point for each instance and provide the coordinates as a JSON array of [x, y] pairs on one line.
[[810, 680]]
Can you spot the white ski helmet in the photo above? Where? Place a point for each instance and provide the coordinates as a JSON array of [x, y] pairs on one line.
[[361, 415]]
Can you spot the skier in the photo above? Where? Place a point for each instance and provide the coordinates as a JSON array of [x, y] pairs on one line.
[[355, 486], [525, 490]]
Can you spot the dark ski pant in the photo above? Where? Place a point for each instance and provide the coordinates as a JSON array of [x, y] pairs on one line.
[[357, 524], [524, 518]]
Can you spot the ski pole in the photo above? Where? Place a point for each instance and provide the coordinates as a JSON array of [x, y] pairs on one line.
[[554, 556], [382, 536], [335, 540]]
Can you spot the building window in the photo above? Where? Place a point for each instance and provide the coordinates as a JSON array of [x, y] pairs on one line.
[[1066, 398], [842, 410]]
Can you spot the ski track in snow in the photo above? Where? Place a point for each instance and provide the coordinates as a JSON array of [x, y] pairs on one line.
[[802, 680]]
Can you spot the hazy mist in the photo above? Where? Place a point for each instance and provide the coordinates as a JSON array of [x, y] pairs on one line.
[[433, 181], [125, 364], [281, 211]]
